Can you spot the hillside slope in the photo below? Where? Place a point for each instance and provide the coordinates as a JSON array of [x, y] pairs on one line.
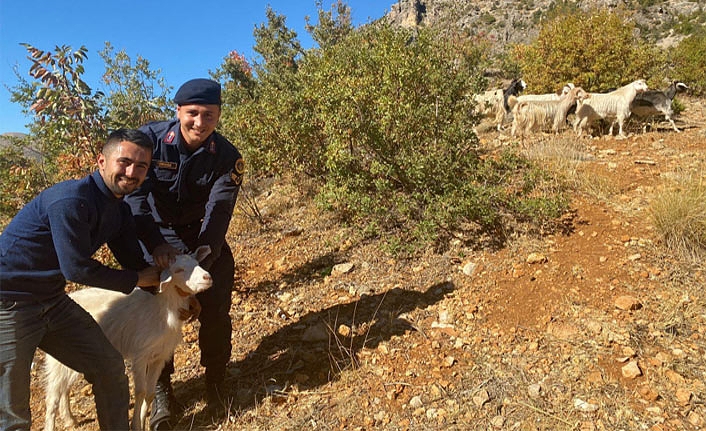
[[517, 21], [594, 328]]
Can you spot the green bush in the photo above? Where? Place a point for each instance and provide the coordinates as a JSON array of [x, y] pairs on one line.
[[20, 178], [689, 59], [595, 50], [383, 120]]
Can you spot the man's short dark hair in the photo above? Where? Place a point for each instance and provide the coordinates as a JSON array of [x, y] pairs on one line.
[[131, 135]]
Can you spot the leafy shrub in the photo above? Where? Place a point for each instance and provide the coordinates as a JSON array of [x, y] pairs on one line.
[[70, 120], [383, 120], [689, 59], [596, 50], [20, 178]]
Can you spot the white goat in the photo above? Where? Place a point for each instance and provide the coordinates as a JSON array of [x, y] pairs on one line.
[[548, 96], [535, 115], [143, 327], [613, 106], [494, 103]]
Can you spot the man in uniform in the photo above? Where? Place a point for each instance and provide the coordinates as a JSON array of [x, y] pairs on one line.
[[51, 240], [189, 196]]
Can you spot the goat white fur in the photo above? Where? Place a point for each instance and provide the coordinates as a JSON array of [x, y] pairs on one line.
[[614, 106], [549, 96], [534, 115], [493, 103], [143, 327]]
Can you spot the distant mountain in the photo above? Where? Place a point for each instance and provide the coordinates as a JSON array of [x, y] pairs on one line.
[[16, 139], [518, 21]]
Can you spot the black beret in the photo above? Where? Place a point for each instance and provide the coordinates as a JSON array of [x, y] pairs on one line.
[[199, 92]]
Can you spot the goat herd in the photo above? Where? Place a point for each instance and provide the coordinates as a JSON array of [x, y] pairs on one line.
[[536, 112]]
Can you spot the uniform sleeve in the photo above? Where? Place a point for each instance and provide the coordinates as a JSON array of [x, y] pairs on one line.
[[219, 210], [70, 221], [147, 230]]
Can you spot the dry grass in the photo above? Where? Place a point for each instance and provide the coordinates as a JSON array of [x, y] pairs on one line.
[[566, 157], [679, 215]]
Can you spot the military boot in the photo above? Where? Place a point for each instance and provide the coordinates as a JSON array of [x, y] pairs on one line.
[[163, 407]]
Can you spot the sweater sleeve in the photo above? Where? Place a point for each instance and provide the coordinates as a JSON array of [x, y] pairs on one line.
[[125, 246], [70, 221]]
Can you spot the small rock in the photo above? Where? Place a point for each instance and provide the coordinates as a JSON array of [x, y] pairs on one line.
[[584, 406], [627, 302], [648, 393], [469, 268], [497, 422], [481, 398], [342, 268], [448, 362], [534, 390], [695, 419], [344, 330], [631, 370], [416, 402], [563, 331], [683, 396], [534, 258]]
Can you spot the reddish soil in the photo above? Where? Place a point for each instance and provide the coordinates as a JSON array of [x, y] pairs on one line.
[[419, 344]]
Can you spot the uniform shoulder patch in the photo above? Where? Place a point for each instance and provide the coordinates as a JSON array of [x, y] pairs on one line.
[[238, 170], [240, 166]]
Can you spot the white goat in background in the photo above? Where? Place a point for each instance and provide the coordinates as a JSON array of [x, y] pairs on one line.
[[548, 96], [143, 327], [535, 115], [613, 106]]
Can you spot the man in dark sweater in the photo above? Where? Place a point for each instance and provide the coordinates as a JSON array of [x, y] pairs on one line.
[[51, 240]]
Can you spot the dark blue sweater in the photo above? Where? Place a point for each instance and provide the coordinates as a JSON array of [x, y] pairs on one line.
[[53, 238]]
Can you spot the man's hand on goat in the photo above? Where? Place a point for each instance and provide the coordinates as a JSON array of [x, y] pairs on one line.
[[148, 277], [164, 254], [193, 312]]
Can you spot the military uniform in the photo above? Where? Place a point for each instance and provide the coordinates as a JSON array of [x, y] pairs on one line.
[[190, 197]]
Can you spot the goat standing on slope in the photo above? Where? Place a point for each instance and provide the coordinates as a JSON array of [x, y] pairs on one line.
[[530, 116], [547, 96], [494, 103], [144, 328], [614, 106], [654, 103]]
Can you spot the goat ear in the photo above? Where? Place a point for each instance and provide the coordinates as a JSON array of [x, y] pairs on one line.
[[164, 279], [201, 252]]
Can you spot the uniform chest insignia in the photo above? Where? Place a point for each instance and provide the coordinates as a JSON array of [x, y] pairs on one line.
[[166, 165], [212, 146], [170, 137]]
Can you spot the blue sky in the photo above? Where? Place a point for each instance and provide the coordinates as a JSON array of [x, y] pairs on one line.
[[184, 39]]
